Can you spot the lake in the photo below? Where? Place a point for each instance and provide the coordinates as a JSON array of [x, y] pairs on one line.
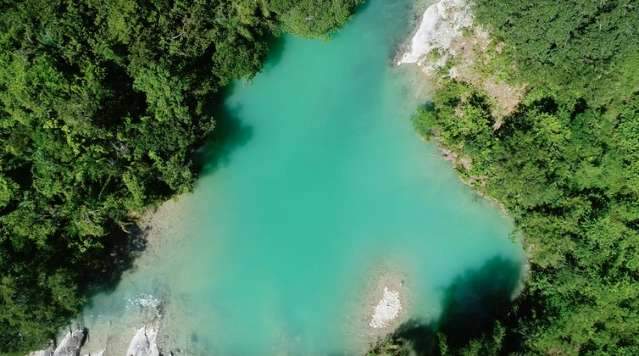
[[315, 193]]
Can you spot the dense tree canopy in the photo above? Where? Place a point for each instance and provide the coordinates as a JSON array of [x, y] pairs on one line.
[[576, 48], [565, 165], [101, 104]]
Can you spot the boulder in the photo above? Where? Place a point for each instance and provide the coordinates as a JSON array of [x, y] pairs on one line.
[[46, 352], [71, 343], [99, 353], [144, 342]]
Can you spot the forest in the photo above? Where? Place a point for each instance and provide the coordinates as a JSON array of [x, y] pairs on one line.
[[102, 103], [565, 165]]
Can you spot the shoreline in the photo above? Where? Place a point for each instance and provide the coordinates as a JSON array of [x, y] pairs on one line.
[[458, 46], [458, 161], [115, 334]]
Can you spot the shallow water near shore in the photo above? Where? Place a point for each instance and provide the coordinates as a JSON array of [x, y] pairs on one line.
[[316, 193]]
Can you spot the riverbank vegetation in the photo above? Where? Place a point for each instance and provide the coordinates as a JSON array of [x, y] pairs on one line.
[[565, 164], [101, 106]]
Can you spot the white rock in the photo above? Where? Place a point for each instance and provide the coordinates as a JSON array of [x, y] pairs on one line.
[[386, 310], [99, 353], [144, 342], [47, 352], [71, 343], [441, 24]]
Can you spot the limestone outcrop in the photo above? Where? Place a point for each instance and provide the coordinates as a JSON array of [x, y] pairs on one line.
[[144, 342], [442, 23], [46, 352], [70, 344]]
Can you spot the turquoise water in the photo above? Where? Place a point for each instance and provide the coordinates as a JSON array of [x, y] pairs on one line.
[[319, 190]]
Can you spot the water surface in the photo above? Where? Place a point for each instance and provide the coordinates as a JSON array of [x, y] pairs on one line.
[[317, 187]]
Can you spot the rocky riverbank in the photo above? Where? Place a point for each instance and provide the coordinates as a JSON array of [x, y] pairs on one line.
[[442, 23], [449, 43], [70, 344], [143, 343], [129, 341]]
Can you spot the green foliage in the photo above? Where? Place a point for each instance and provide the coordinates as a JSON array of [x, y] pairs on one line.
[[7, 188], [312, 17], [576, 48], [101, 106]]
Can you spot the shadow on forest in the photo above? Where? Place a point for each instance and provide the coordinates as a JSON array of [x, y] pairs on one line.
[[471, 305]]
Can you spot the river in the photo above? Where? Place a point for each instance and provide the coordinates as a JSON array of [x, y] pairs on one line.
[[315, 193]]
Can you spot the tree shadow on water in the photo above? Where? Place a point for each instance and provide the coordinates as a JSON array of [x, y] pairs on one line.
[[472, 305], [229, 134], [127, 240], [277, 45]]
